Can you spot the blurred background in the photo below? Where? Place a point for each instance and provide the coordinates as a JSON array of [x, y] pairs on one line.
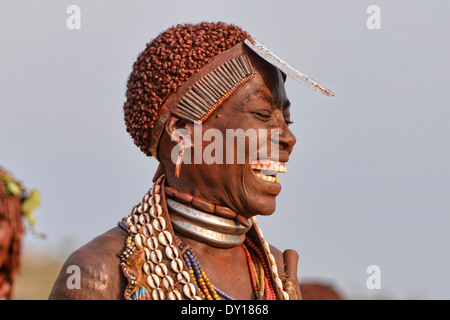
[[368, 182]]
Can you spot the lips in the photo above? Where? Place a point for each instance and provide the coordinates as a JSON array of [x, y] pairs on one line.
[[267, 169]]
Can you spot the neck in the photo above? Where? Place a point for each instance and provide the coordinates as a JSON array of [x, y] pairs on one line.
[[204, 221], [195, 187]]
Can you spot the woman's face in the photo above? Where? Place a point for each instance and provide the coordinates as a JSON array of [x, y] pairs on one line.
[[245, 180]]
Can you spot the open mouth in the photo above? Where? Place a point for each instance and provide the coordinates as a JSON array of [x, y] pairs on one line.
[[267, 169]]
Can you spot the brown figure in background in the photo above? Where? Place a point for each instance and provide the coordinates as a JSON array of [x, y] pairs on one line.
[[194, 234], [15, 203], [319, 290]]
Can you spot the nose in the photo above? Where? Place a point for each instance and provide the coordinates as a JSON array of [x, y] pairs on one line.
[[284, 137]]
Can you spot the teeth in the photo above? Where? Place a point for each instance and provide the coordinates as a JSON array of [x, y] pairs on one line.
[[269, 178], [275, 168], [268, 169]]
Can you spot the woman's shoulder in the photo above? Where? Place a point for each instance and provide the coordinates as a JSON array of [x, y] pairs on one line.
[[93, 270]]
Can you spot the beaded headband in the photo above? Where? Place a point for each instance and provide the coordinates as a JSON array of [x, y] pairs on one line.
[[212, 89]]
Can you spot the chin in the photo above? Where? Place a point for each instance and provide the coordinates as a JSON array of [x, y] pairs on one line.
[[259, 204], [263, 187], [267, 208]]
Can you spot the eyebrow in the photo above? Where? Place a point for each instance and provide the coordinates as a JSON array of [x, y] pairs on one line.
[[259, 94]]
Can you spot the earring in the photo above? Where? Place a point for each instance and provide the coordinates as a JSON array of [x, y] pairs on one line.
[[179, 160]]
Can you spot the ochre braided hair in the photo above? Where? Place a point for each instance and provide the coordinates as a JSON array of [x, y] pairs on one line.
[[11, 212], [167, 62]]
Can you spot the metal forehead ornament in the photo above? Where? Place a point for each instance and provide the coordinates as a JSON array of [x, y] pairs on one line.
[[294, 73], [207, 90], [212, 89]]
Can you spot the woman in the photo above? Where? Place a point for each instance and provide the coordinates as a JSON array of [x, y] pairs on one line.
[[194, 233]]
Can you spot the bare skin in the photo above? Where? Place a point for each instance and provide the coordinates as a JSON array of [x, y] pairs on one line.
[[259, 104]]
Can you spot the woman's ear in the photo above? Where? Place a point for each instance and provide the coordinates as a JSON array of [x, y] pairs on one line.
[[172, 124], [180, 132], [178, 129]]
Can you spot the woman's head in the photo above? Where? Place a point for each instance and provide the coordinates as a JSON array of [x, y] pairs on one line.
[[233, 157], [165, 65]]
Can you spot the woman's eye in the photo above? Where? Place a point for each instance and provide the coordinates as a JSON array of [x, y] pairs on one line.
[[262, 114]]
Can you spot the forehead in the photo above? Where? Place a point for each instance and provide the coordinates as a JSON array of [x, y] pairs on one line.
[[267, 86]]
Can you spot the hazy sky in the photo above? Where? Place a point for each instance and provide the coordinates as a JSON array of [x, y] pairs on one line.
[[368, 182]]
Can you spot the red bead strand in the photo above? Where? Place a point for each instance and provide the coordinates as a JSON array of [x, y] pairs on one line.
[[270, 292]]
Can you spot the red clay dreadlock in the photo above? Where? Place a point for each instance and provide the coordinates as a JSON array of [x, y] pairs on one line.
[[165, 65], [11, 212]]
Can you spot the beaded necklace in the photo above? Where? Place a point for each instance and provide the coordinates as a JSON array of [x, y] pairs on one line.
[[153, 263], [258, 269], [260, 276], [209, 291], [262, 286]]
